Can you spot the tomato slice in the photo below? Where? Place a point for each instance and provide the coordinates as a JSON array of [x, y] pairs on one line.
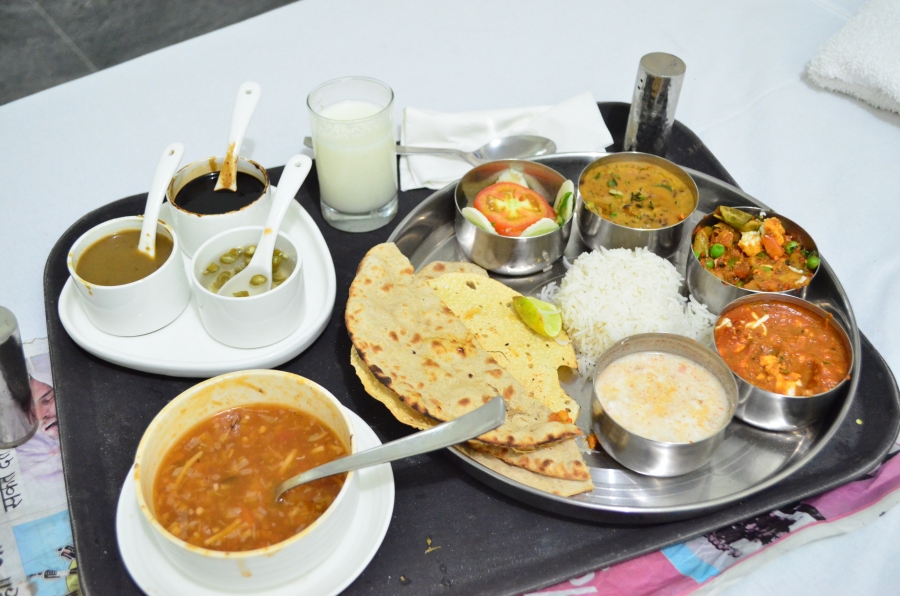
[[511, 207]]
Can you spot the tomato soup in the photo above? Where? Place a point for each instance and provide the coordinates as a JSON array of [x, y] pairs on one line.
[[636, 195], [215, 486], [782, 348]]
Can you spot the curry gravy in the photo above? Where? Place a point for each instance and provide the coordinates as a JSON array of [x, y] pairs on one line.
[[115, 260]]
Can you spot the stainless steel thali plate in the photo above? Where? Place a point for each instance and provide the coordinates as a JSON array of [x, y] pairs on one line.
[[749, 459]]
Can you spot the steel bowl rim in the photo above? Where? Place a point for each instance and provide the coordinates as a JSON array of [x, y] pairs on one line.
[[796, 301], [674, 337], [647, 158], [564, 229], [750, 292]]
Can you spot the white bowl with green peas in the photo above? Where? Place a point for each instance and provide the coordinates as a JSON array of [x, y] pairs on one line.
[[247, 321]]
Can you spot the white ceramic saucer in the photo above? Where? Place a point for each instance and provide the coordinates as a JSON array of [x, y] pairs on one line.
[[153, 573], [184, 349]]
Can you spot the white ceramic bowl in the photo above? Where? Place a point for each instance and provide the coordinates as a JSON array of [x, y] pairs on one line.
[[140, 307], [247, 571], [195, 229], [252, 321]]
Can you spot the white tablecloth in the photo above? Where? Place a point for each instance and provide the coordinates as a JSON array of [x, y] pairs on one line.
[[823, 159]]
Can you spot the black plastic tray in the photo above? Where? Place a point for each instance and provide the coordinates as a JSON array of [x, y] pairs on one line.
[[490, 543]]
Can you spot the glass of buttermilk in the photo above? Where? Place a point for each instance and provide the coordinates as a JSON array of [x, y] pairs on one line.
[[356, 155]]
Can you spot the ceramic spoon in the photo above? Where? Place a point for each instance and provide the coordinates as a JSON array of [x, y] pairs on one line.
[[292, 178], [468, 426], [514, 147], [165, 169], [244, 106]]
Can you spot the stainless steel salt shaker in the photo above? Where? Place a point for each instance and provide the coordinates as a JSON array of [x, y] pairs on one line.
[[17, 424], [656, 92]]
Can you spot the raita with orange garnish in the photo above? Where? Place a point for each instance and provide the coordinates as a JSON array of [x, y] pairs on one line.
[[215, 485], [782, 348]]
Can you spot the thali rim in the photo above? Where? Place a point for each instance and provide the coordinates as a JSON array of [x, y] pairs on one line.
[[568, 504]]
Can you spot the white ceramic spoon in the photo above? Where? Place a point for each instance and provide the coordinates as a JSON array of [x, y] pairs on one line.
[[292, 178], [244, 106], [165, 169]]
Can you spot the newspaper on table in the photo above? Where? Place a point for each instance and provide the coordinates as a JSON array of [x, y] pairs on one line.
[[37, 556]]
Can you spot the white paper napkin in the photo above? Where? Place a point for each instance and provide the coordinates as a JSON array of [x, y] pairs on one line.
[[574, 125], [863, 58]]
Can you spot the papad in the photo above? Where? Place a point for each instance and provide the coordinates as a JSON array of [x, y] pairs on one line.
[[484, 305], [417, 347]]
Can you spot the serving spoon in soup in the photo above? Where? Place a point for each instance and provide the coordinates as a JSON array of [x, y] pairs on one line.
[[165, 169], [466, 427]]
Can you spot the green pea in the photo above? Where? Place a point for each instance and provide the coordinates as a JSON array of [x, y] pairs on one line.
[[210, 269], [791, 246], [227, 258], [276, 260], [709, 264], [716, 251], [812, 262], [222, 278], [250, 250], [257, 280]]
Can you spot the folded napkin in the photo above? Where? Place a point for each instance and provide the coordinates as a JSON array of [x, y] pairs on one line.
[[574, 125], [863, 58]]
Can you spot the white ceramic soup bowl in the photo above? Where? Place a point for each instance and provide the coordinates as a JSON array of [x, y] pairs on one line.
[[251, 321], [195, 229], [143, 306], [247, 571]]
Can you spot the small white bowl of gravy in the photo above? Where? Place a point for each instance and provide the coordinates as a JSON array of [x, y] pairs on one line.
[[124, 292]]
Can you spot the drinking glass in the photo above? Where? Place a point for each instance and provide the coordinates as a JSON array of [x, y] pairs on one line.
[[356, 155]]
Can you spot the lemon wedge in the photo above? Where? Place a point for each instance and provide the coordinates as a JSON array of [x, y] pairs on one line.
[[542, 317]]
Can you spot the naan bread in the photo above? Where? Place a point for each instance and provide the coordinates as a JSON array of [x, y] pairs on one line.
[[417, 347], [557, 486], [485, 307]]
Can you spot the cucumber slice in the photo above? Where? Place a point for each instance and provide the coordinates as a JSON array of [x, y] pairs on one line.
[[565, 199], [478, 219], [542, 226]]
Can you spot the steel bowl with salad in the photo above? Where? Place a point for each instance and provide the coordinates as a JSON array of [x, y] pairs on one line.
[[513, 217]]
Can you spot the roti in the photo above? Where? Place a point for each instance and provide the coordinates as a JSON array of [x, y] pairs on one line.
[[561, 459], [557, 486], [439, 268], [414, 345]]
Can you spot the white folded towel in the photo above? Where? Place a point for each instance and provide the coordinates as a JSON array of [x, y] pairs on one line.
[[574, 125], [863, 58]]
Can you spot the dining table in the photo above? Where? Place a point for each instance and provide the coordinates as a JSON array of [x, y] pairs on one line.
[[821, 158]]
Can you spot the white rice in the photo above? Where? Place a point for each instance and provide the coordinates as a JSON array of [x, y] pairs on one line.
[[608, 295]]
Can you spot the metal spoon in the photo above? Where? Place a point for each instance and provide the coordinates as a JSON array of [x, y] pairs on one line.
[[260, 265], [468, 426], [514, 147], [244, 106], [165, 169]]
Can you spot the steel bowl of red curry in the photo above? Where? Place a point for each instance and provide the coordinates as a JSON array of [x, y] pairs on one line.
[[791, 359]]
